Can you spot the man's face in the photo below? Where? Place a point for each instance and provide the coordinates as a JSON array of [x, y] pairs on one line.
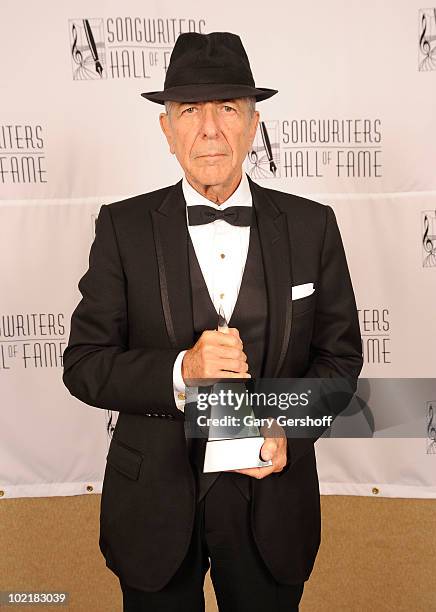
[[210, 139]]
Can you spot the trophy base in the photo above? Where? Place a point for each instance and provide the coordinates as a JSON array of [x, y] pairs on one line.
[[234, 454]]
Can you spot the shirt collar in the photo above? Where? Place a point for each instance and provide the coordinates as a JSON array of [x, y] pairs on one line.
[[240, 197]]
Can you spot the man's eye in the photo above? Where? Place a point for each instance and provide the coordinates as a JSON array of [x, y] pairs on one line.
[[190, 108], [228, 108]]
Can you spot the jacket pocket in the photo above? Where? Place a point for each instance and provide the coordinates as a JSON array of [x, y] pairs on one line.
[[125, 459], [304, 304]]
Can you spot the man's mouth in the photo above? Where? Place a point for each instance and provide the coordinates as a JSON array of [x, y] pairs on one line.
[[212, 155]]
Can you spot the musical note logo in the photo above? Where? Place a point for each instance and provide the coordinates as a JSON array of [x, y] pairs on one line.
[[429, 238], [111, 421], [75, 52], [111, 418], [88, 51], [264, 158], [427, 39], [431, 429]]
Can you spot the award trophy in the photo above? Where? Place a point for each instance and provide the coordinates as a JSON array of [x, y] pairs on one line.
[[236, 445]]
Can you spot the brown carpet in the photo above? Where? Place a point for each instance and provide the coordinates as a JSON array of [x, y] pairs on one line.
[[376, 555]]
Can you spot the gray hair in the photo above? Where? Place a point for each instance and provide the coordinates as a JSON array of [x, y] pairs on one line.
[[251, 101]]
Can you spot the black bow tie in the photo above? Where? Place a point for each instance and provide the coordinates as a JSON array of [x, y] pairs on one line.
[[235, 215]]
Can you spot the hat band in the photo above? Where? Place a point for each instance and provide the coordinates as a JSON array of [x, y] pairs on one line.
[[208, 75]]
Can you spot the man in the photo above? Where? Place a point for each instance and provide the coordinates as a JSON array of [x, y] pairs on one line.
[[160, 266]]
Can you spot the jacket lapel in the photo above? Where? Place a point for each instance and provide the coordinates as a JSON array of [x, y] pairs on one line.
[[273, 234], [171, 242]]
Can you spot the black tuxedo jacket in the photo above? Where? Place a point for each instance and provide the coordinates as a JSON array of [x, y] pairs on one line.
[[134, 318]]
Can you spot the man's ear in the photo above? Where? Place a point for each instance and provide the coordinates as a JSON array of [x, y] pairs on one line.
[[253, 126], [164, 121]]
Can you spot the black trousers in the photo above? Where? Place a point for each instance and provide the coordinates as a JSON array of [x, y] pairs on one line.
[[221, 540]]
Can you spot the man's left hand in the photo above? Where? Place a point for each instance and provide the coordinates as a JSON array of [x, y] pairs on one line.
[[274, 448]]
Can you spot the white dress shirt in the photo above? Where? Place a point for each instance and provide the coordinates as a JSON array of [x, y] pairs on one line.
[[221, 250]]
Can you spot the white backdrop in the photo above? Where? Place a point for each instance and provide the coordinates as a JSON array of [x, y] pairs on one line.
[[353, 126]]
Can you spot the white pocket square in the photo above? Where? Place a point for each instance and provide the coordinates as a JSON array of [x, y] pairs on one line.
[[300, 291]]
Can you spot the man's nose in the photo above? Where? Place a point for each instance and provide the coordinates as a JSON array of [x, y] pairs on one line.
[[210, 122]]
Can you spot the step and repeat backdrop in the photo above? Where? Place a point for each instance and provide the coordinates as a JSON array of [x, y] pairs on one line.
[[353, 126]]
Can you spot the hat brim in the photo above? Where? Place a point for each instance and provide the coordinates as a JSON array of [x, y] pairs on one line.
[[205, 92]]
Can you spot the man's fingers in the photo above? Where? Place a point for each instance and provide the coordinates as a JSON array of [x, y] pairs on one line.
[[233, 365], [229, 352], [227, 339], [257, 472], [269, 449], [215, 356], [226, 374], [274, 449]]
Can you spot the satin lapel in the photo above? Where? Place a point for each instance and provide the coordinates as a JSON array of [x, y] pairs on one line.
[[273, 234], [171, 241]]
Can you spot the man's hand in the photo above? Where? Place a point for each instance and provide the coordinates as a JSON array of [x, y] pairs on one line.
[[273, 448], [215, 355]]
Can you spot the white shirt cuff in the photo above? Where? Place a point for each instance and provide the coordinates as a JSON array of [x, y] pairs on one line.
[[179, 386]]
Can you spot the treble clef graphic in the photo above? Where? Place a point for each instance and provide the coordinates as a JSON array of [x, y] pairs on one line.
[[75, 52], [110, 428], [253, 157], [423, 42], [426, 40], [431, 429], [426, 240], [431, 432]]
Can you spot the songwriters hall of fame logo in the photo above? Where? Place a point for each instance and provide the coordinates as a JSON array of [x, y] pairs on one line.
[[263, 159], [316, 148], [427, 39], [429, 238], [129, 47], [431, 428], [88, 53]]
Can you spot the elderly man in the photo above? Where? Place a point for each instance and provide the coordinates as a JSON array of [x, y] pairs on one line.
[[160, 267]]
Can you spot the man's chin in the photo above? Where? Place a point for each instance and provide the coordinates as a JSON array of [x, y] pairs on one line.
[[210, 177]]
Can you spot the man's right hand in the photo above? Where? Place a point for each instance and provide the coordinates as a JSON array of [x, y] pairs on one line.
[[215, 355]]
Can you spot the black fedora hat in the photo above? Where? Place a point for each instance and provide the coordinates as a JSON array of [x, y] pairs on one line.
[[205, 67]]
